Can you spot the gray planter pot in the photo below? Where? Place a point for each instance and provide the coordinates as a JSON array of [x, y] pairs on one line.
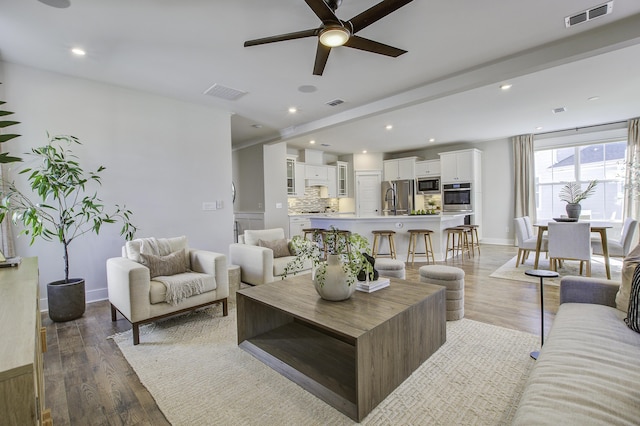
[[66, 300], [573, 210]]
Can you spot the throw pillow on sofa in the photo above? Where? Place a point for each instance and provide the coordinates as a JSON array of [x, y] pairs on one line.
[[280, 247], [633, 314], [628, 268], [171, 264]]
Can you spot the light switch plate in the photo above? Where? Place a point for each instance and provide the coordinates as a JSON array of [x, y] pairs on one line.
[[209, 205]]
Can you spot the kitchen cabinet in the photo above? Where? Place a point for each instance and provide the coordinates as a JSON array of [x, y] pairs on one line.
[[295, 177], [331, 190], [400, 168], [342, 177], [461, 166], [23, 341], [299, 184], [297, 224], [316, 172], [428, 168]]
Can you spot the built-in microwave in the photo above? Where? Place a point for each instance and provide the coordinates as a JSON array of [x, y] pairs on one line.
[[428, 185]]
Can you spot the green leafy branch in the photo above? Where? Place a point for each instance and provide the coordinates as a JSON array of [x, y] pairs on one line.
[[5, 157], [572, 192]]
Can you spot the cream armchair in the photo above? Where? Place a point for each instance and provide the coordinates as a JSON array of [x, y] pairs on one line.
[[258, 263], [142, 299]]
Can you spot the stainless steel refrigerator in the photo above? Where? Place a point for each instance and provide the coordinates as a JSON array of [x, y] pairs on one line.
[[397, 197]]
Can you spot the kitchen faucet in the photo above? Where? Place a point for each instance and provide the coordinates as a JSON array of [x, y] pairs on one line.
[[393, 200]]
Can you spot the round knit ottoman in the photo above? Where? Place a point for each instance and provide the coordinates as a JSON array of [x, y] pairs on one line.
[[453, 279], [390, 268]]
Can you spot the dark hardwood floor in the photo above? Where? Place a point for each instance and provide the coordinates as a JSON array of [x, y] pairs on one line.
[[88, 381]]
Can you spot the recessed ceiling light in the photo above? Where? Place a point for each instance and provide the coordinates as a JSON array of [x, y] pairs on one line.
[[539, 128], [432, 140], [293, 110], [389, 127], [506, 86], [364, 151], [593, 98], [78, 51], [312, 142]]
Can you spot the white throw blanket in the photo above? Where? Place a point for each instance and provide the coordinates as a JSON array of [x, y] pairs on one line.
[[180, 286]]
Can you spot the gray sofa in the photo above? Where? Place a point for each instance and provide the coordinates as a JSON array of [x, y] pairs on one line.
[[588, 371]]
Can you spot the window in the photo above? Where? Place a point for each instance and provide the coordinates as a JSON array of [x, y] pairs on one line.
[[601, 161]]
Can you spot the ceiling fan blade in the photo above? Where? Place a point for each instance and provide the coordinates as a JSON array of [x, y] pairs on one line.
[[322, 54], [362, 43], [323, 11], [375, 13], [282, 37]]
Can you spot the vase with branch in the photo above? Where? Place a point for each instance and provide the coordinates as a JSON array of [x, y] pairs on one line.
[[334, 278]]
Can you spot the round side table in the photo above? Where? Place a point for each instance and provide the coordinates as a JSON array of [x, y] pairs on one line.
[[542, 274]]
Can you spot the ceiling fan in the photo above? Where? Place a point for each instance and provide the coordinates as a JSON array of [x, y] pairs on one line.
[[335, 32]]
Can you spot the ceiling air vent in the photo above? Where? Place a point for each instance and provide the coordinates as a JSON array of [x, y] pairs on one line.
[[335, 102], [223, 92], [559, 110], [589, 14]]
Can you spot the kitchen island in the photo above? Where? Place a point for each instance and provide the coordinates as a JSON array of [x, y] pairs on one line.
[[400, 224]]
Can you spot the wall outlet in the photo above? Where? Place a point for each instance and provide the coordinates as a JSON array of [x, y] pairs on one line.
[[506, 229], [278, 205], [218, 204]]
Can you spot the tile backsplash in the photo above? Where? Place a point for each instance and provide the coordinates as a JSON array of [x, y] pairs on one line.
[[311, 202]]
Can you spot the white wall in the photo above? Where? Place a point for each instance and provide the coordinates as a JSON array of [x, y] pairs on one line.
[[276, 214], [248, 174], [163, 159]]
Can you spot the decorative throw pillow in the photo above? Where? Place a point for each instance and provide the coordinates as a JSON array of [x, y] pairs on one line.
[[633, 315], [280, 247], [628, 268], [171, 264]]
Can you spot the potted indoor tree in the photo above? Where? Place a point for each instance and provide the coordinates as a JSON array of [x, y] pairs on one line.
[[572, 194], [335, 278], [61, 210]]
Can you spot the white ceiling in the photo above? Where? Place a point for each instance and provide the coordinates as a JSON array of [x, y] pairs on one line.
[[445, 87]]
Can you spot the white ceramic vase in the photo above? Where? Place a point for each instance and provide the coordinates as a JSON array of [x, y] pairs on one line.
[[335, 285]]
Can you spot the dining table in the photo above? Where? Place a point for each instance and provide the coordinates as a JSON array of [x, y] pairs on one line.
[[596, 227]]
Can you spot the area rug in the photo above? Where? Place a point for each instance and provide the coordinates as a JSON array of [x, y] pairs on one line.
[[510, 272], [198, 376]]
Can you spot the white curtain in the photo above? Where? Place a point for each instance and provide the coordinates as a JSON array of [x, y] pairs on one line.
[[632, 174], [524, 174]]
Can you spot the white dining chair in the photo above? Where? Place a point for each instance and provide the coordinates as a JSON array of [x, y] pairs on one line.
[[617, 247], [570, 241], [527, 239]]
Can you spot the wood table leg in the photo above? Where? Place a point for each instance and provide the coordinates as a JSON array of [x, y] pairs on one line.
[[538, 245], [605, 251]]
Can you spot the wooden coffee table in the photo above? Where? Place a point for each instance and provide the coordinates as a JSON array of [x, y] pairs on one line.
[[350, 354]]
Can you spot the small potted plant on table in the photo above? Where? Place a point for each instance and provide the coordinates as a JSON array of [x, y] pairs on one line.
[[572, 194]]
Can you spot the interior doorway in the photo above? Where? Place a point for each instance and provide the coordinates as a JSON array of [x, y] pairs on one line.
[[368, 201]]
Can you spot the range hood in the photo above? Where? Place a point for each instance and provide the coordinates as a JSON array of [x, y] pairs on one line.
[[316, 182]]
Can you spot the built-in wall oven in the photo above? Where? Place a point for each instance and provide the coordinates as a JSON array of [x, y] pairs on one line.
[[456, 197]]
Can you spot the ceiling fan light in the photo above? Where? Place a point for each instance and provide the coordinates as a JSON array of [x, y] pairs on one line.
[[334, 36]]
